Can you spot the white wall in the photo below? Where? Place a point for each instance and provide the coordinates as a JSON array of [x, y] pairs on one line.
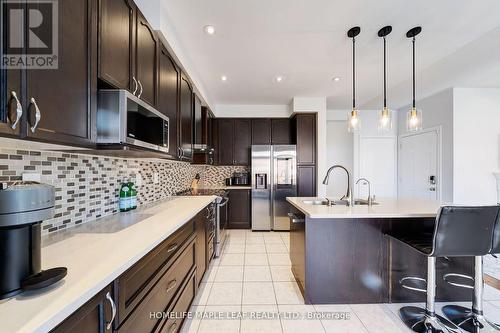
[[316, 105], [375, 156], [437, 110], [340, 145], [252, 111], [476, 150]]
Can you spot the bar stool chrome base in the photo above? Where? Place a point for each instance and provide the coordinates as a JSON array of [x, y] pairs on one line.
[[468, 320], [419, 320]]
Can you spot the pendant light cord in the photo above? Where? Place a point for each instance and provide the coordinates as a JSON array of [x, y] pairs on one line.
[[385, 90], [353, 74], [413, 42]]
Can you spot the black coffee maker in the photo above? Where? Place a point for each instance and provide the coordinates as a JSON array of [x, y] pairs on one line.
[[23, 207]]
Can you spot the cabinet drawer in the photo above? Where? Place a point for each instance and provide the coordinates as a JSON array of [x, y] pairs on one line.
[[138, 280], [174, 323], [160, 296], [211, 249]]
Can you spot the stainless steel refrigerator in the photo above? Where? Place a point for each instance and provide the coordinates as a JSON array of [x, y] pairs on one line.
[[274, 177]]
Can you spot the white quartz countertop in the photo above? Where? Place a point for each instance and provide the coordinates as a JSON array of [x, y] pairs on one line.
[[386, 208], [95, 254]]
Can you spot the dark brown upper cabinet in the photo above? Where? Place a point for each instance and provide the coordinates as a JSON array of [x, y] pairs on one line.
[[198, 127], [225, 141], [281, 131], [146, 60], [117, 43], [186, 120], [305, 138], [61, 102], [128, 50], [242, 141], [261, 131], [168, 92], [234, 138]]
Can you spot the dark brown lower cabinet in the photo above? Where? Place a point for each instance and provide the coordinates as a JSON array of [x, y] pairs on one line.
[[178, 312], [163, 282], [93, 317], [201, 242], [306, 181], [239, 209], [161, 295]]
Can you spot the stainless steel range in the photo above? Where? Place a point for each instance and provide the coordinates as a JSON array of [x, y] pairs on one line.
[[221, 214]]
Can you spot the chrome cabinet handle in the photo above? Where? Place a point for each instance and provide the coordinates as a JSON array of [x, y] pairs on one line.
[[19, 110], [171, 285], [172, 327], [38, 115], [172, 248], [113, 310], [140, 85], [135, 85]]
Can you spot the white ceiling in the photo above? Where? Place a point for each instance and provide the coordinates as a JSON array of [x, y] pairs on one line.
[[305, 41]]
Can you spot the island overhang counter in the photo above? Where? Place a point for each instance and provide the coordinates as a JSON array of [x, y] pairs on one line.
[[343, 255]]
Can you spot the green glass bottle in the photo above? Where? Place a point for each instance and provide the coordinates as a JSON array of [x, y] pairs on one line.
[[124, 198], [133, 195]]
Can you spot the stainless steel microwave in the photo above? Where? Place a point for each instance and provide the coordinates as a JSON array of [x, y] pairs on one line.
[[124, 119]]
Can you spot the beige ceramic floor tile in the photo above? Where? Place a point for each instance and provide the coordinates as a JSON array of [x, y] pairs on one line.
[[260, 319], [256, 259], [229, 274], [282, 273], [288, 293], [257, 274], [222, 323], [225, 293], [258, 293]]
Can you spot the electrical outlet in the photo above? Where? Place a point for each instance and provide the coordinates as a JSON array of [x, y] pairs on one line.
[[156, 178], [32, 177], [138, 179]]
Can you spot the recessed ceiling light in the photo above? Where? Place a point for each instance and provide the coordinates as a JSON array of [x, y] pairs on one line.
[[223, 78], [209, 29], [336, 79], [279, 79]]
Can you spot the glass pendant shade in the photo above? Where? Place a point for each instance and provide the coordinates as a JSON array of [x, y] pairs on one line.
[[414, 120], [385, 120], [353, 123]]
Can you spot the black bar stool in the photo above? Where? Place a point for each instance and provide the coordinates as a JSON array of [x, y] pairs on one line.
[[459, 231], [473, 319]]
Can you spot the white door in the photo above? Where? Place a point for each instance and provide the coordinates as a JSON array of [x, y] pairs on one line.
[[418, 166]]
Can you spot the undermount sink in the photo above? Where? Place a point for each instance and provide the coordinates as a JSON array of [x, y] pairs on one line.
[[325, 203], [360, 202]]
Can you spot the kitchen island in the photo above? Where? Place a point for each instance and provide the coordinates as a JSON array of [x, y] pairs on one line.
[[342, 254]]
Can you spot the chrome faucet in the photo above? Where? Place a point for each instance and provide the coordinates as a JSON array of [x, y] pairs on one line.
[[369, 201], [348, 196]]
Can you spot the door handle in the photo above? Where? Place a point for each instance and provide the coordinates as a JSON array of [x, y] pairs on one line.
[[140, 86], [135, 85], [38, 115], [113, 310], [19, 110]]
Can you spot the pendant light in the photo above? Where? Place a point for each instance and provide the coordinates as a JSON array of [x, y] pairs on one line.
[[385, 120], [353, 124], [414, 116]]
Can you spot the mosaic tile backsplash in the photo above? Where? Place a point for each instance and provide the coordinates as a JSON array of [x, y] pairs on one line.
[[87, 186]]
